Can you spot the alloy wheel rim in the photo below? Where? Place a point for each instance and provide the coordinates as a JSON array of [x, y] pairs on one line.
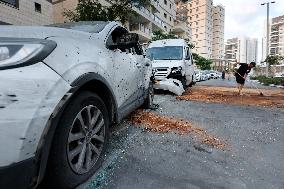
[[86, 139]]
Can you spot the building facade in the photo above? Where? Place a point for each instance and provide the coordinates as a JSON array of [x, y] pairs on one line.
[[276, 45], [207, 26], [242, 49], [26, 12], [160, 15], [201, 23]]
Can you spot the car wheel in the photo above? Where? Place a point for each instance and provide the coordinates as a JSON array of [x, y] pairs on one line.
[[79, 143], [150, 97]]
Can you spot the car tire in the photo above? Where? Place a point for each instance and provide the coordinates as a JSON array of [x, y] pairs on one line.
[[150, 97], [79, 142]]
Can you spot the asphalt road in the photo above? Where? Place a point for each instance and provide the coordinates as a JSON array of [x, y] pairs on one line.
[[254, 158]]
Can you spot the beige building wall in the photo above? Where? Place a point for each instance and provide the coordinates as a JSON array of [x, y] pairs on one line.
[[24, 12], [201, 21]]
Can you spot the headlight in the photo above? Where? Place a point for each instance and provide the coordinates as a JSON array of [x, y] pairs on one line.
[[176, 69], [23, 52]]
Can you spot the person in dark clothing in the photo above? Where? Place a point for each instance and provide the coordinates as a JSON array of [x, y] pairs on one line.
[[223, 74], [242, 73]]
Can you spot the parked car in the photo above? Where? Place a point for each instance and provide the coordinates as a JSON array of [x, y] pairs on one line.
[[61, 88], [198, 75], [204, 76], [172, 58]]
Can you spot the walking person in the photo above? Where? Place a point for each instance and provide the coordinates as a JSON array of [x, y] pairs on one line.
[[242, 73], [223, 74]]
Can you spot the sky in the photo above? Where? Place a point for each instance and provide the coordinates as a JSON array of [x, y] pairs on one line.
[[248, 17]]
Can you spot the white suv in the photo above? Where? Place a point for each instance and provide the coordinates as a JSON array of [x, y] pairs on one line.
[[61, 88]]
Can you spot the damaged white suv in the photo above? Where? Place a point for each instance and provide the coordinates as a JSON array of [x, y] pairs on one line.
[[61, 88]]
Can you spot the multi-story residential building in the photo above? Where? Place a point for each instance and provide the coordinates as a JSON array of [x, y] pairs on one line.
[[207, 24], [181, 27], [276, 46], [218, 31], [242, 49], [200, 17], [26, 12]]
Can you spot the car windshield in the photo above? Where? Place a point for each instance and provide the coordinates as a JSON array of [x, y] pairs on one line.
[[90, 27], [165, 53]]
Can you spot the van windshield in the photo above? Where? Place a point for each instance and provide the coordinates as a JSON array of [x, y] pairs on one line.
[[165, 53]]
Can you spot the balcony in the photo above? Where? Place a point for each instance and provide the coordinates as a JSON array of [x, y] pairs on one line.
[[155, 5], [147, 16], [143, 31], [181, 29]]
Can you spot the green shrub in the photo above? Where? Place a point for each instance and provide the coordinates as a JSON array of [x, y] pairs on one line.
[[269, 80]]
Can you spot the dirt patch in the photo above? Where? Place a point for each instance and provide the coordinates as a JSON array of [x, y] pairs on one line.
[[271, 98], [157, 123]]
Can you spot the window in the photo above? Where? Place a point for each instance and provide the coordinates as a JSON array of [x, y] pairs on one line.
[[197, 16], [170, 18], [38, 7], [166, 2], [196, 23], [197, 9], [170, 6], [165, 15], [14, 3]]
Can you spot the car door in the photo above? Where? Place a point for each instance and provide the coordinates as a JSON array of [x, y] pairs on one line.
[[125, 74], [144, 70]]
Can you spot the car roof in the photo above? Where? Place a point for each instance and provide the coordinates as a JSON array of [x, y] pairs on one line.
[[85, 26]]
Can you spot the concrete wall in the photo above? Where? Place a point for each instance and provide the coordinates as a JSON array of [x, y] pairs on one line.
[[25, 14]]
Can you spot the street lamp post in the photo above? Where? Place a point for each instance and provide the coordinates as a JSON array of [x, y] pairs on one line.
[[267, 33]]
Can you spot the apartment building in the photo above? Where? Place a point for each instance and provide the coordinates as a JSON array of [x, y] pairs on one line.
[[218, 32], [181, 27], [26, 12], [207, 26], [276, 46], [242, 49], [201, 22]]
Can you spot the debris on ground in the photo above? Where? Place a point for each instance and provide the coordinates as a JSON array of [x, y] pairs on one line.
[[271, 98], [172, 85], [157, 123]]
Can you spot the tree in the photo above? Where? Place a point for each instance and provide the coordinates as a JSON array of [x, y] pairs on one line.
[[159, 35], [93, 10], [273, 60], [201, 62]]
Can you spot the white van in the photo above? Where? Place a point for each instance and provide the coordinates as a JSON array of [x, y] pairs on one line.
[[172, 58]]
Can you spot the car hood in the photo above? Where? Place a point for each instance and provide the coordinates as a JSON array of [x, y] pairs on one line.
[[167, 63], [40, 32]]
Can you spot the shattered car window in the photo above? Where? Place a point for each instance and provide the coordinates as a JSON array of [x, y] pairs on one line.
[[165, 53], [90, 27]]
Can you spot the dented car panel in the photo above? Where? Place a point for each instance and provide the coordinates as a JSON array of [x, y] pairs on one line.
[[28, 97]]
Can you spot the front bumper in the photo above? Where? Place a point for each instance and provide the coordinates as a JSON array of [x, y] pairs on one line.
[[28, 97], [18, 175]]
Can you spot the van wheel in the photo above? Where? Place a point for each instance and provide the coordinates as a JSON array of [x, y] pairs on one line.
[[79, 142], [150, 97], [183, 82]]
